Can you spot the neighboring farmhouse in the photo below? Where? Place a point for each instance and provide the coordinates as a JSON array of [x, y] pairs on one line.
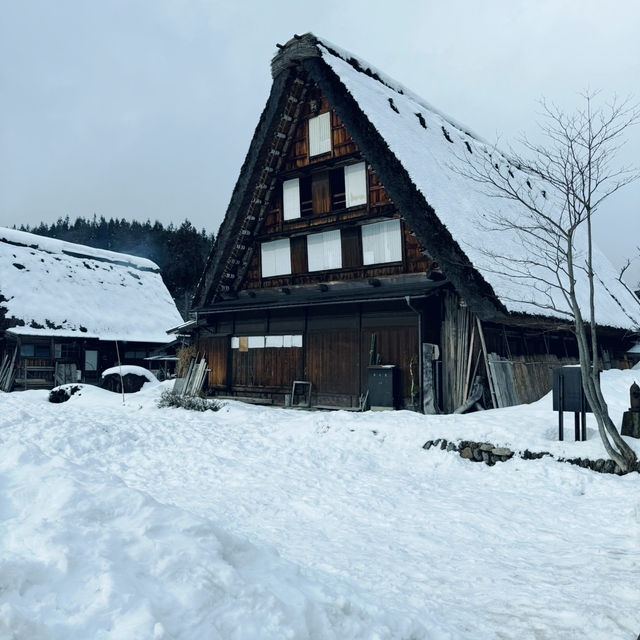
[[68, 310], [352, 239]]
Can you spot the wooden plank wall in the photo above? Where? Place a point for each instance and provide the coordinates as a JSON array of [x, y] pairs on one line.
[[216, 350], [267, 369], [332, 361], [455, 342], [533, 374], [395, 345]]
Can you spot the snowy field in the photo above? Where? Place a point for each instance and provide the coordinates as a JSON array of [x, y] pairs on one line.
[[133, 522]]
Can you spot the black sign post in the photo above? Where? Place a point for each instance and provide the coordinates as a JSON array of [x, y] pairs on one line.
[[568, 395]]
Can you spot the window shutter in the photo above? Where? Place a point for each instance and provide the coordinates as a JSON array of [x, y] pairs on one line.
[[276, 258], [291, 199], [382, 242], [324, 251], [355, 182], [320, 134]]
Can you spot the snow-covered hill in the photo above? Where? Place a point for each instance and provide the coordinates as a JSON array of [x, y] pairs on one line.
[[136, 522]]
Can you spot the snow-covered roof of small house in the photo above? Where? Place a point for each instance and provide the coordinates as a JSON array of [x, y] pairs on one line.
[[420, 156], [57, 288]]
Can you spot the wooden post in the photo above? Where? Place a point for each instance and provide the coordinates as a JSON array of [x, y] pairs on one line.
[[120, 365], [486, 363], [467, 381], [429, 401]]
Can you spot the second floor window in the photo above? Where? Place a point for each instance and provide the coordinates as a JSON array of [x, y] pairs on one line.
[[324, 251], [381, 242], [320, 134], [276, 258]]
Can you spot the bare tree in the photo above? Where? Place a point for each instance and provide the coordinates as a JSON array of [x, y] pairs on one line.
[[559, 186]]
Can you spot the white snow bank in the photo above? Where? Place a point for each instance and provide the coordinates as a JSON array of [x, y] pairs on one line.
[[130, 368], [84, 556], [129, 521]]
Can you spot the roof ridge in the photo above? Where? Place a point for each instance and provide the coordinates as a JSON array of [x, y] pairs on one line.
[[73, 249]]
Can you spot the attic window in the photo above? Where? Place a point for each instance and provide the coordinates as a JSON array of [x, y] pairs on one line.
[[291, 199], [320, 134]]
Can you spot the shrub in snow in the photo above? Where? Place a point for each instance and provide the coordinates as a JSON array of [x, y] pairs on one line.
[[194, 403], [62, 394], [132, 376]]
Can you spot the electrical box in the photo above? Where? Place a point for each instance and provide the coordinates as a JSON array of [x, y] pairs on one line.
[[384, 386], [568, 392]]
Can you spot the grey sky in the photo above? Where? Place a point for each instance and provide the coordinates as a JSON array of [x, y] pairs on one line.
[[146, 109]]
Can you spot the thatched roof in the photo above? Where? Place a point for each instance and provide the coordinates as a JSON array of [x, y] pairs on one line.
[[419, 154], [55, 288]]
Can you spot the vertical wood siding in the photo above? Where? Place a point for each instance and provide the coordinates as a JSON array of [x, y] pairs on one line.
[[268, 368]]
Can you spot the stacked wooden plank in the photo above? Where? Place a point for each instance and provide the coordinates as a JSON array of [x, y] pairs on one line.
[[191, 384], [8, 371], [501, 371]]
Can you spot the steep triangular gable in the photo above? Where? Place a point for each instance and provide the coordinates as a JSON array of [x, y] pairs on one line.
[[412, 148], [232, 252]]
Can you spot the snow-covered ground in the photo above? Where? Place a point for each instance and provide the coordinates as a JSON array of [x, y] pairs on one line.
[[129, 521]]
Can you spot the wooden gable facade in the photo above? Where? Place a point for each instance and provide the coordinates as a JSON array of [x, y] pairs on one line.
[[315, 312], [321, 270]]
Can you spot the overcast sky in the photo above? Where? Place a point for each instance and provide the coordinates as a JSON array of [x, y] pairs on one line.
[[146, 109]]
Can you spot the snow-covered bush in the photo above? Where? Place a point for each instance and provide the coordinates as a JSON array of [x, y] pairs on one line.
[[194, 403]]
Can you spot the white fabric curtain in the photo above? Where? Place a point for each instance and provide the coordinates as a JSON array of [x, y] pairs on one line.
[[355, 183], [261, 342], [273, 341], [276, 258], [291, 199], [324, 251], [381, 242], [320, 134]]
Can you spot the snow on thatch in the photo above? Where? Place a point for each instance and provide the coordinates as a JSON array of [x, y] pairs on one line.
[[433, 149], [51, 287]]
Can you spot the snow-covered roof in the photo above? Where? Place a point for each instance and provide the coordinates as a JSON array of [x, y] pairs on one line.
[[57, 288], [433, 150], [421, 157]]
